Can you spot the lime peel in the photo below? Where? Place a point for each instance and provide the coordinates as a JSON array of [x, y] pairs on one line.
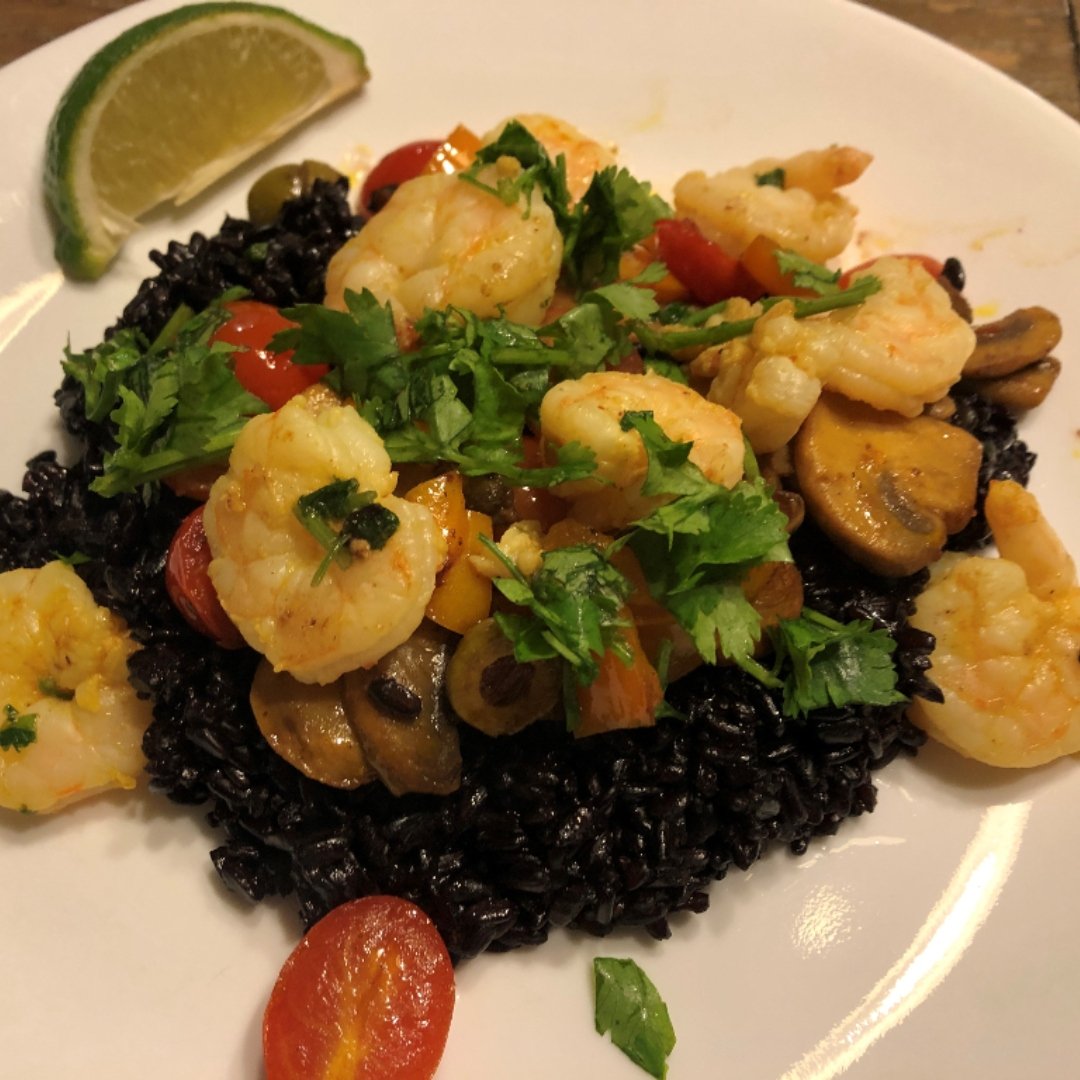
[[174, 103]]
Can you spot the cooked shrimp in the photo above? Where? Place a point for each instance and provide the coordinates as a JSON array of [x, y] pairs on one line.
[[589, 410], [583, 156], [441, 240], [264, 559], [65, 666], [899, 350], [1008, 642], [806, 215]]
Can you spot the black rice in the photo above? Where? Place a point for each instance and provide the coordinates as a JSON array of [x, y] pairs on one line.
[[627, 828]]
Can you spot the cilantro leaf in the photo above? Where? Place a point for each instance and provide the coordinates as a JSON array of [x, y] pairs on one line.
[[695, 549], [361, 517], [629, 1006], [833, 663], [807, 274], [17, 732], [359, 343], [773, 178], [575, 602], [175, 403], [616, 212], [52, 688]]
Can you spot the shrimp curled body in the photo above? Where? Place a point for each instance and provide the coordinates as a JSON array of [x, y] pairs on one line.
[[265, 560], [442, 241], [805, 214], [589, 411], [900, 349], [1008, 639], [65, 665]]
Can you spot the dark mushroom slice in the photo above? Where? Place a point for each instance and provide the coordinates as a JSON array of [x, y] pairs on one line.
[[396, 709], [1023, 389], [491, 691], [307, 726], [888, 490], [1009, 344]]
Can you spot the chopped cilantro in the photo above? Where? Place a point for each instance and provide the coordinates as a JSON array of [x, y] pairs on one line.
[[17, 731], [174, 403], [615, 213], [629, 1006], [575, 602], [773, 178], [695, 549], [833, 663], [76, 558], [362, 519], [465, 394], [807, 274], [52, 688]]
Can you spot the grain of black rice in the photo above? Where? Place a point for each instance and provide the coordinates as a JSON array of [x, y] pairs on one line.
[[625, 829]]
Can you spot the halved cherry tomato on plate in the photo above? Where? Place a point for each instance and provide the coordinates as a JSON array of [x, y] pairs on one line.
[[368, 994], [270, 376], [187, 581], [709, 272], [404, 163]]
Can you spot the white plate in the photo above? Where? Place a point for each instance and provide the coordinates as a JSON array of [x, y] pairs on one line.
[[936, 937]]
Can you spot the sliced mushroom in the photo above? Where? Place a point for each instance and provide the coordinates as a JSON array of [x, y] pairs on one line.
[[886, 489], [1014, 342], [397, 712], [306, 725], [491, 691], [1023, 389]]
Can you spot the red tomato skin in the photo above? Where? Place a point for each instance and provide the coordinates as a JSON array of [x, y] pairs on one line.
[[368, 994], [932, 266], [708, 271], [404, 163], [270, 376], [187, 581]]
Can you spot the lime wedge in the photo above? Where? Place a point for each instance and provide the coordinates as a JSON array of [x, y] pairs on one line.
[[174, 103]]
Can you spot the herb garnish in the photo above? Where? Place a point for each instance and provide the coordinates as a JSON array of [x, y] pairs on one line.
[[175, 402], [772, 178], [362, 520], [629, 1006], [18, 731], [615, 213]]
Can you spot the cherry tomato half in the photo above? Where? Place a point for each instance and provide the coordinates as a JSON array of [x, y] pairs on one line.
[[187, 581], [404, 163], [709, 272], [271, 376], [367, 995]]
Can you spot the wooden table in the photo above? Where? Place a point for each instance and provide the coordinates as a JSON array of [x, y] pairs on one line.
[[1034, 41]]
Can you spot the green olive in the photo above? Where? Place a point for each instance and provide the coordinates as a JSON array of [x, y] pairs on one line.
[[307, 726], [284, 182], [491, 690], [397, 712]]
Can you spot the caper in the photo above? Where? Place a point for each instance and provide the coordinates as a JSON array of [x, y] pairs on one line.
[[490, 690], [284, 182]]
